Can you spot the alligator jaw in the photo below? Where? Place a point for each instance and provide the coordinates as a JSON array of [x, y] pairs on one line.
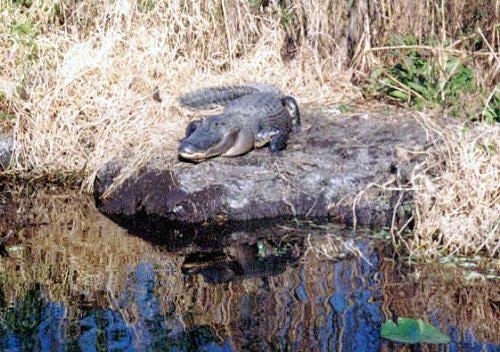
[[243, 143], [193, 155]]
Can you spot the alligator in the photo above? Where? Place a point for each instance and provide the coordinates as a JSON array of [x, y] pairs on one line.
[[254, 115]]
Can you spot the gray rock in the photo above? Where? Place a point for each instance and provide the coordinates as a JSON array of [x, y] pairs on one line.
[[6, 150], [319, 174]]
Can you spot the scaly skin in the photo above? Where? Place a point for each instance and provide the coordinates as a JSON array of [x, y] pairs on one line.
[[254, 116]]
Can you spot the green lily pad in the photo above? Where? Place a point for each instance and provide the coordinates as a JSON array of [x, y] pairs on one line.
[[409, 330]]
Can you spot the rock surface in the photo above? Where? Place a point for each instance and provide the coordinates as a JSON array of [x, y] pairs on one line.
[[320, 174]]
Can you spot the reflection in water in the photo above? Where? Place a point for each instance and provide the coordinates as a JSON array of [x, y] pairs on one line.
[[70, 279]]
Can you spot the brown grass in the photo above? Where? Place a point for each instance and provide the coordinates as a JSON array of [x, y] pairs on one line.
[[88, 94], [80, 78], [457, 198]]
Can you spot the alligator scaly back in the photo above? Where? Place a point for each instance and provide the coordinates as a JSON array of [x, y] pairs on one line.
[[206, 98]]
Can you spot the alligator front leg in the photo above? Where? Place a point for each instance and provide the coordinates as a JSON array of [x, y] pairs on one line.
[[265, 136], [278, 142], [275, 137]]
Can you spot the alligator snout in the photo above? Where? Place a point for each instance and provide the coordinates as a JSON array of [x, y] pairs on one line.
[[198, 147], [206, 139], [190, 152]]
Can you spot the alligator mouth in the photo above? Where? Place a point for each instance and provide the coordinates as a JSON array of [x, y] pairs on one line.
[[192, 155]]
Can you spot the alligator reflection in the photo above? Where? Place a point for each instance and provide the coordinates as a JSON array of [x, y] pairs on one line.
[[225, 252], [73, 280], [228, 252], [235, 263]]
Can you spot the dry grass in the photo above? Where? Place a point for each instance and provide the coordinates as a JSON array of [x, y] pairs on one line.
[[457, 198], [80, 77]]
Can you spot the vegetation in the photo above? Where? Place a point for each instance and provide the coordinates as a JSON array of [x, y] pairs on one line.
[[457, 195], [409, 330], [429, 76], [77, 81]]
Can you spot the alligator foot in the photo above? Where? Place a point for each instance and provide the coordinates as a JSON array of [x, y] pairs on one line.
[[278, 143]]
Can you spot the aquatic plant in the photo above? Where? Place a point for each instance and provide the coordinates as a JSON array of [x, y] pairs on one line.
[[409, 330]]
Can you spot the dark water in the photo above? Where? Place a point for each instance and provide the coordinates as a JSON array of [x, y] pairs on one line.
[[72, 280]]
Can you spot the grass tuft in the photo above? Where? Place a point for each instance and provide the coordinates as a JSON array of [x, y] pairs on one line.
[[457, 198]]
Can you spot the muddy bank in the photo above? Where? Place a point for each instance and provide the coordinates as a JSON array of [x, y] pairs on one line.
[[320, 174]]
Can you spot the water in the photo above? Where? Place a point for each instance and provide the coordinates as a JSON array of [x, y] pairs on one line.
[[71, 279]]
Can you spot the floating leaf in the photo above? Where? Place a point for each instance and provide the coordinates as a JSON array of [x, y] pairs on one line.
[[409, 330]]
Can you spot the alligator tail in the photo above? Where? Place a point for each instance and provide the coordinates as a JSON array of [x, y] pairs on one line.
[[210, 97]]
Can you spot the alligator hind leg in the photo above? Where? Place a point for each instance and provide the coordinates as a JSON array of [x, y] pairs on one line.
[[292, 107]]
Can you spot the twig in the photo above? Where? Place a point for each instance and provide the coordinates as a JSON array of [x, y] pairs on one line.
[[228, 32], [493, 92], [492, 52], [4, 239]]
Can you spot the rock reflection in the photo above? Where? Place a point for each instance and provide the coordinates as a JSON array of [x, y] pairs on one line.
[[71, 279]]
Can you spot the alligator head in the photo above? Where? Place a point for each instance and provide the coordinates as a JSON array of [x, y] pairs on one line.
[[213, 136]]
